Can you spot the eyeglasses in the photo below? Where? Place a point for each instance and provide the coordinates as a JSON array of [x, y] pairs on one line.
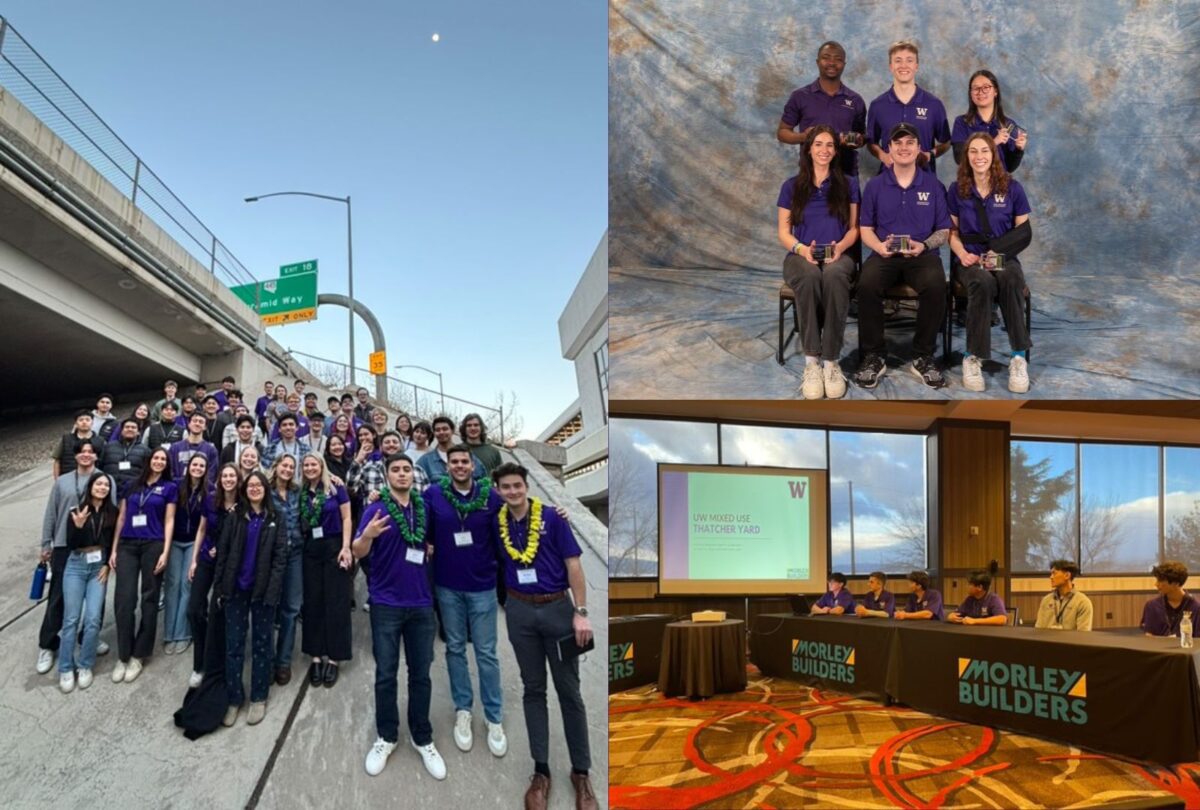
[[983, 88]]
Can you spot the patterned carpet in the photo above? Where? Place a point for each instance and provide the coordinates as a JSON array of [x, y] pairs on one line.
[[781, 744]]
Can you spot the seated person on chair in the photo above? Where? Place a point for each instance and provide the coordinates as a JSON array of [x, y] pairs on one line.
[[837, 600], [981, 605], [1163, 613], [818, 208], [923, 602], [878, 603], [1066, 607], [902, 201], [991, 216]]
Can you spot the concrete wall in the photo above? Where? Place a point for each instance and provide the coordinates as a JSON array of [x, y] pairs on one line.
[[583, 328]]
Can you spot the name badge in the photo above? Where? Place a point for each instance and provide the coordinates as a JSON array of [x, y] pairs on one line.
[[462, 539], [94, 556], [318, 533], [527, 576], [165, 445], [416, 556], [124, 465], [139, 521]]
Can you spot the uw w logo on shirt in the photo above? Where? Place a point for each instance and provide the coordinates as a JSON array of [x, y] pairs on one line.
[[922, 198], [999, 198], [922, 112]]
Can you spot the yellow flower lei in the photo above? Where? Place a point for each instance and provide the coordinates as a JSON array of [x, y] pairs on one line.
[[535, 533]]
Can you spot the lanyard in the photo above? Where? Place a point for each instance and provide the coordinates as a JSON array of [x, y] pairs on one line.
[[144, 496], [1058, 614]]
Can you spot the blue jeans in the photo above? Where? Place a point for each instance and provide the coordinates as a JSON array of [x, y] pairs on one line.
[[177, 589], [239, 609], [82, 592], [289, 606], [416, 627], [476, 610]]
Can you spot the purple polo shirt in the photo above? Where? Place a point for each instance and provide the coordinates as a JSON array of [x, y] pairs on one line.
[[260, 406], [254, 524], [1002, 210], [845, 111], [918, 210], [391, 579], [932, 601], [990, 605], [557, 543], [181, 452], [470, 567], [885, 602], [216, 516], [844, 600], [188, 514], [330, 519], [817, 224], [1158, 619], [301, 429], [222, 399], [152, 502], [924, 111], [962, 130]]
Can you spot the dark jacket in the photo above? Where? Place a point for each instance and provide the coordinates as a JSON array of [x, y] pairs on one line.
[[227, 451], [157, 435], [136, 453], [269, 565]]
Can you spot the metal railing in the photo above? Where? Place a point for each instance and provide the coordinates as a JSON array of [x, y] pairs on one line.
[[415, 400], [32, 81]]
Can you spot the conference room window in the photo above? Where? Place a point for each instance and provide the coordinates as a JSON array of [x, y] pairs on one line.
[[636, 446], [878, 505], [1118, 508], [1181, 506], [772, 447], [1043, 495]]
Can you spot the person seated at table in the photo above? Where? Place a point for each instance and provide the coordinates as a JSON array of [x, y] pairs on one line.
[[981, 605], [1066, 607], [1162, 614], [837, 600], [878, 603], [923, 602]]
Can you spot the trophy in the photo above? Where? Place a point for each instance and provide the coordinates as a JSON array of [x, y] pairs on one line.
[[851, 139], [823, 253], [897, 243], [993, 261]]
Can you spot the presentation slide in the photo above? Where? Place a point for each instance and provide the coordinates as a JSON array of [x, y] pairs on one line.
[[741, 530]]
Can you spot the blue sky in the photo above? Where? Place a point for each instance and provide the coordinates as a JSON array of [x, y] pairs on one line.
[[477, 165]]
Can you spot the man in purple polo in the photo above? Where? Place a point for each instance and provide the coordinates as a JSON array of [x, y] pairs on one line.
[[222, 396], [909, 104], [878, 603], [902, 201], [181, 452], [826, 101], [837, 600], [924, 603], [981, 605], [1163, 613]]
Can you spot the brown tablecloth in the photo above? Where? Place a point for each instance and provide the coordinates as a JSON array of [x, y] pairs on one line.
[[701, 659]]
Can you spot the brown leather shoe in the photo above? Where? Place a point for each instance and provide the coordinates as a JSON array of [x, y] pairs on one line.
[[283, 675], [585, 799], [538, 794]]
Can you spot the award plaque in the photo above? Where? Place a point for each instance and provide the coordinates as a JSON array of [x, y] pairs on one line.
[[851, 139], [897, 243], [823, 253], [993, 261]]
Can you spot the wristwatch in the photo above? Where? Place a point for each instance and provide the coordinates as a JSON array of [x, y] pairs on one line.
[[582, 611]]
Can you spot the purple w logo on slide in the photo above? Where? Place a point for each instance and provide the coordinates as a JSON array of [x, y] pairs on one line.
[[797, 488]]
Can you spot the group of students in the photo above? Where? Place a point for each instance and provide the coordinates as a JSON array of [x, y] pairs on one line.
[[904, 215], [256, 520]]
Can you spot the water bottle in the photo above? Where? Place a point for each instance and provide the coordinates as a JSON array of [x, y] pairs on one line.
[[38, 588], [1185, 630]]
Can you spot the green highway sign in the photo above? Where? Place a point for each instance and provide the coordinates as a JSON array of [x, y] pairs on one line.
[[299, 268], [282, 300]]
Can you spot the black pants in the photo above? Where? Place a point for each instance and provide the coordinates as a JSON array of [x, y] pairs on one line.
[[136, 559], [197, 610], [52, 622], [823, 301], [925, 275], [325, 612], [982, 287]]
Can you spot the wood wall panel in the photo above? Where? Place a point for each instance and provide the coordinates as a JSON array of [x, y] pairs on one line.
[[1088, 584], [973, 487]]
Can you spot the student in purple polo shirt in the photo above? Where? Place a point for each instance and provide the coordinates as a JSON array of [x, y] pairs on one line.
[[878, 603], [222, 507], [923, 602], [392, 537], [462, 513], [248, 580], [990, 215], [140, 552], [260, 405], [819, 206], [981, 605], [1163, 613], [541, 564], [181, 452], [826, 101], [837, 600], [985, 113], [902, 201], [191, 515], [222, 396], [906, 103], [325, 612]]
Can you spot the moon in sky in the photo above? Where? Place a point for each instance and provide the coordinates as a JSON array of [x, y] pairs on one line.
[[436, 37]]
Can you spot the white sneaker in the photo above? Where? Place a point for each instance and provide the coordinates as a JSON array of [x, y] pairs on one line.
[[133, 669], [1018, 375], [432, 759], [66, 682], [497, 742], [835, 383], [118, 674], [102, 648], [972, 371], [813, 386], [462, 730], [85, 678], [377, 757], [45, 661], [195, 679]]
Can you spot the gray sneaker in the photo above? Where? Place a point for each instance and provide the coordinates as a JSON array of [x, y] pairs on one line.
[[926, 371]]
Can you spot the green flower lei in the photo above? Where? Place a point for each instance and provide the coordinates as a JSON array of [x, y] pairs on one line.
[[412, 538], [310, 513], [465, 508]]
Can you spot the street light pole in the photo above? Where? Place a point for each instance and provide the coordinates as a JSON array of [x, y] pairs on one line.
[[441, 390]]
